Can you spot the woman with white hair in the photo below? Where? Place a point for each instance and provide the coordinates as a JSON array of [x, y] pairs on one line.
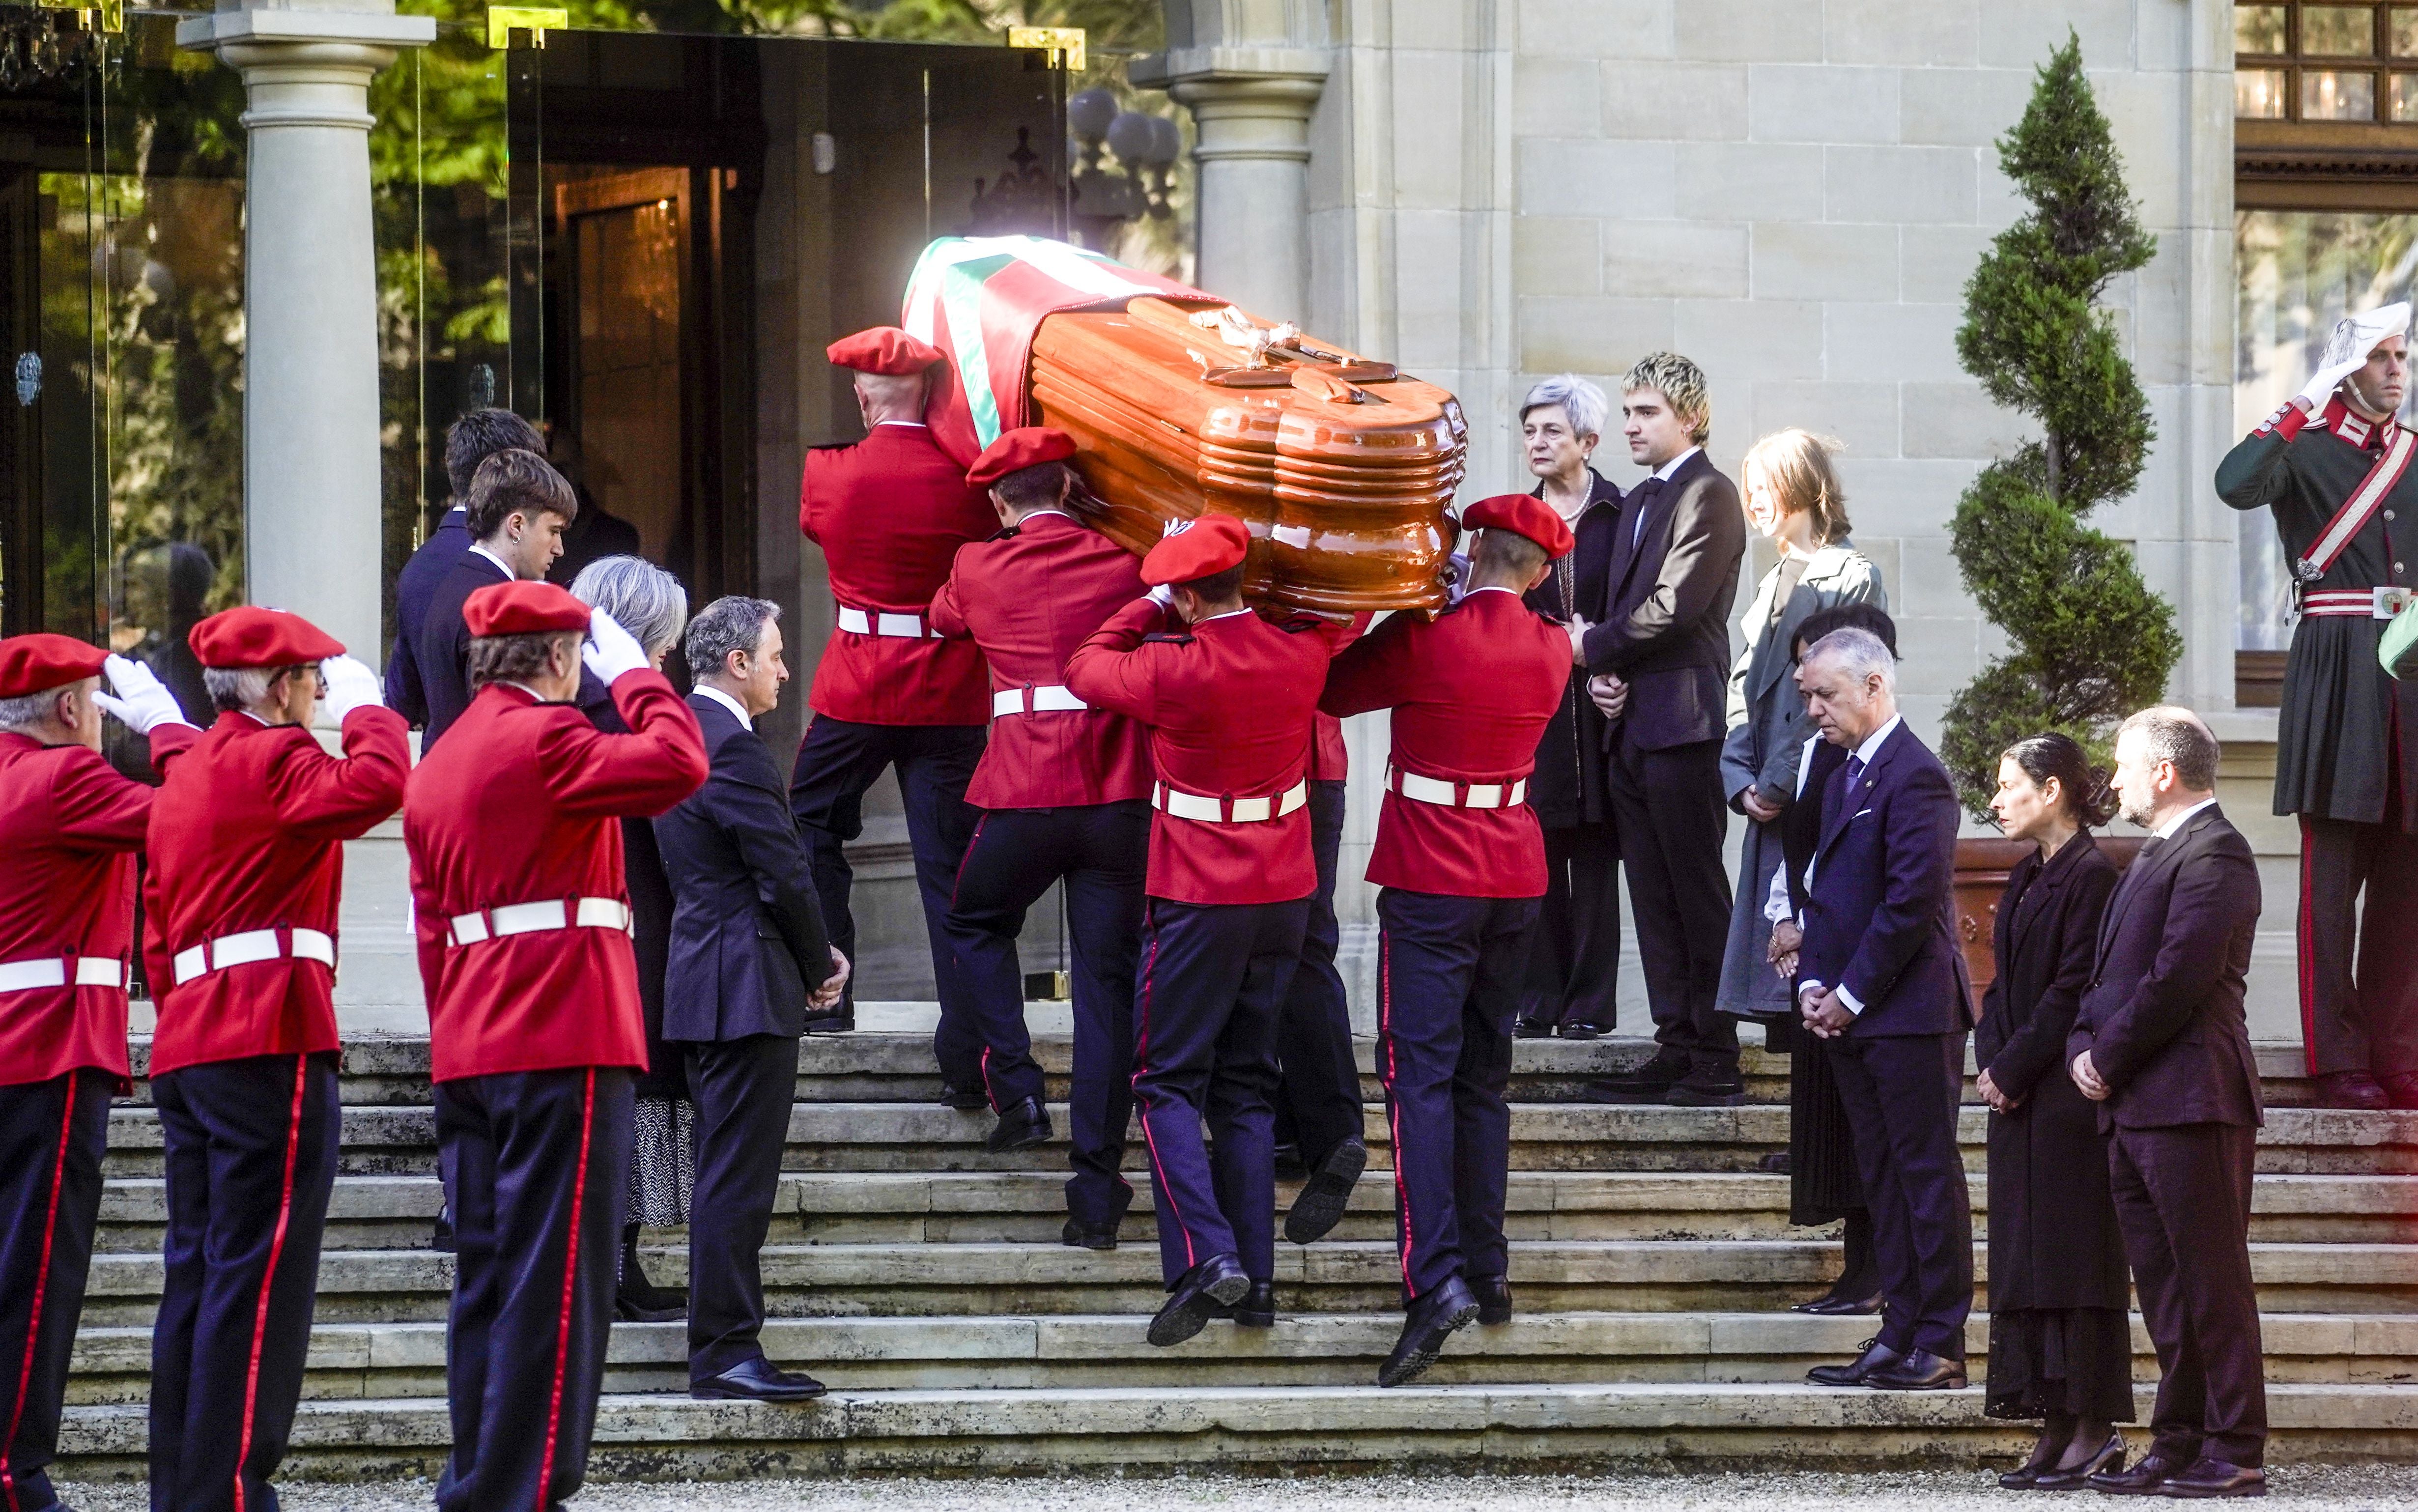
[[1574, 951], [650, 603]]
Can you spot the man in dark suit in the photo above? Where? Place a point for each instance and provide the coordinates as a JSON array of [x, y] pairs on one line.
[[515, 511], [472, 439], [749, 959], [1660, 649], [2161, 1045], [1879, 979]]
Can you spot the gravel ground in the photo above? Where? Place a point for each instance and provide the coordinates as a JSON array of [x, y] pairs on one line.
[[2315, 1488]]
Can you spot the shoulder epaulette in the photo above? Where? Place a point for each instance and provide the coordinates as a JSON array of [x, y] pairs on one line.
[[1008, 533], [1168, 637], [1300, 622]]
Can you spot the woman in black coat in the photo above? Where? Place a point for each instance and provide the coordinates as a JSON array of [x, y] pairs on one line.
[[2060, 1345]]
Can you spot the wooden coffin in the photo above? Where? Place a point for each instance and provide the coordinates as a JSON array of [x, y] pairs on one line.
[[1340, 467]]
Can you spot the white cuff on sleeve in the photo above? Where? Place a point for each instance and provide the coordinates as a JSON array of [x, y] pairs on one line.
[[1849, 998]]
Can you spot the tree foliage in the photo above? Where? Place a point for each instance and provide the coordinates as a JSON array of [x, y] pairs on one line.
[[2090, 641]]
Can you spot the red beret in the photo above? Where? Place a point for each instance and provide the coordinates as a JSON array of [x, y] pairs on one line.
[[1196, 548], [1017, 450], [1522, 514], [260, 638], [882, 349], [521, 609], [40, 662]]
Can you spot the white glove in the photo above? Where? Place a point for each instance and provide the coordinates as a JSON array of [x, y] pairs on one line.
[[2348, 347], [1163, 595], [141, 703], [1456, 578], [350, 686], [610, 649]]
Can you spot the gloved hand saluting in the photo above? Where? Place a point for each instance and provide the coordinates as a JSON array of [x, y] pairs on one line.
[[350, 686], [611, 650], [143, 705]]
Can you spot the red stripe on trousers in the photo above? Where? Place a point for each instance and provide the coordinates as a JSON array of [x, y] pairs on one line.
[[41, 1285], [276, 1253], [570, 1281]]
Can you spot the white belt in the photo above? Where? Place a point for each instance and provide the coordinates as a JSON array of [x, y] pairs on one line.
[[1051, 700], [88, 970], [1184, 805], [2354, 603], [901, 626], [548, 913], [254, 945], [1455, 795]]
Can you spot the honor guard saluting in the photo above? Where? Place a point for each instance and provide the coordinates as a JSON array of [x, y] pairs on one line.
[[247, 865], [1228, 696], [890, 513], [2333, 467], [1064, 792], [1459, 861], [69, 826], [535, 1027]]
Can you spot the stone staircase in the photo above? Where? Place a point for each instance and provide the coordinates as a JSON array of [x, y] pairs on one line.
[[922, 1278]]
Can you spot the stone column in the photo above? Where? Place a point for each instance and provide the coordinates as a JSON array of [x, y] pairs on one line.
[[312, 526], [1251, 106]]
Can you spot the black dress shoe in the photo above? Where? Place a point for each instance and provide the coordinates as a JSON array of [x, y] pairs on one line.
[[756, 1380], [2021, 1478], [1648, 1083], [1432, 1319], [1842, 1306], [1320, 1206], [1493, 1293], [1019, 1127], [1707, 1088], [1198, 1293], [2109, 1457], [2148, 1478], [2354, 1090], [1081, 1235], [1532, 1029], [1921, 1370], [1579, 1028], [1876, 1355], [964, 1099], [2216, 1477], [644, 1303], [832, 1023], [1258, 1308]]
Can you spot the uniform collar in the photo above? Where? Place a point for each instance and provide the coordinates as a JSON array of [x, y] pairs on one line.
[[1214, 617], [2350, 427]]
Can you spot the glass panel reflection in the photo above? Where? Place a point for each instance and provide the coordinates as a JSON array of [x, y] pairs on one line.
[[2337, 31], [2329, 95], [2258, 29], [2258, 94]]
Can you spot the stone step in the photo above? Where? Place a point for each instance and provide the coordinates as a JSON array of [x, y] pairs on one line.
[[1280, 1429], [982, 1279], [351, 1361]]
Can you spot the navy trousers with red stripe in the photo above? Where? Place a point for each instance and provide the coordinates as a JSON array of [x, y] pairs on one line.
[[1213, 978], [1318, 1097], [51, 1135], [250, 1157], [1449, 974], [1099, 851], [539, 1159]]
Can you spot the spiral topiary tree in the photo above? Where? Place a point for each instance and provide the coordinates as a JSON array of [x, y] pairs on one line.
[[2091, 642]]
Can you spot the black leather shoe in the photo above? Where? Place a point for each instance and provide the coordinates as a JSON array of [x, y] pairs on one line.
[[1874, 1356], [2215, 1478], [1320, 1206], [1921, 1370], [1081, 1235], [832, 1023], [1648, 1083], [1432, 1319], [1707, 1088], [1532, 1029], [2109, 1458], [756, 1380], [1198, 1293], [2353, 1089], [1258, 1308], [1842, 1306], [1579, 1028], [1019, 1127], [1494, 1295], [2148, 1478], [964, 1099]]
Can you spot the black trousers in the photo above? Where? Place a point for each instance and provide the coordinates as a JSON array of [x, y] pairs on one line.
[[250, 1156], [742, 1091], [1318, 1090], [1101, 852], [1213, 978], [1573, 974], [1901, 1094], [52, 1137], [2182, 1198], [1672, 819], [836, 762], [2358, 957], [540, 1163], [1449, 971]]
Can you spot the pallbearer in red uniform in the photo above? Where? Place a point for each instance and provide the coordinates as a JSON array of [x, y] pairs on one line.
[[69, 826], [535, 1028], [1461, 863], [890, 513], [1228, 696], [1065, 794], [247, 865]]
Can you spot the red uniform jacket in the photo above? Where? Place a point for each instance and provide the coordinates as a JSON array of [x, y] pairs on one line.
[[69, 826], [521, 804], [1028, 597], [890, 513], [1471, 692], [1328, 759], [248, 834], [1228, 705]]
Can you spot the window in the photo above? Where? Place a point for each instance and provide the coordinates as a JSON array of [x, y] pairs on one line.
[[2325, 63]]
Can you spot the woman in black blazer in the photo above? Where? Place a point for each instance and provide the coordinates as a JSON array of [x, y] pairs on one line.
[[2061, 1344]]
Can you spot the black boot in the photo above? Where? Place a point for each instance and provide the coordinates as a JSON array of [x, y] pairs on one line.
[[1020, 1126], [637, 1300], [1432, 1319]]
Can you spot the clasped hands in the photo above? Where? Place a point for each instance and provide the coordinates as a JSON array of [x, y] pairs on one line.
[[1991, 1093], [827, 995], [1608, 689], [1824, 1013], [2087, 1077]]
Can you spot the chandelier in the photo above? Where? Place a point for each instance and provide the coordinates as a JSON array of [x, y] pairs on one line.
[[51, 41]]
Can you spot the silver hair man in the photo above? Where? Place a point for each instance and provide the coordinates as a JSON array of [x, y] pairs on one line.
[[1581, 400], [234, 688], [642, 598], [1859, 653], [724, 626]]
